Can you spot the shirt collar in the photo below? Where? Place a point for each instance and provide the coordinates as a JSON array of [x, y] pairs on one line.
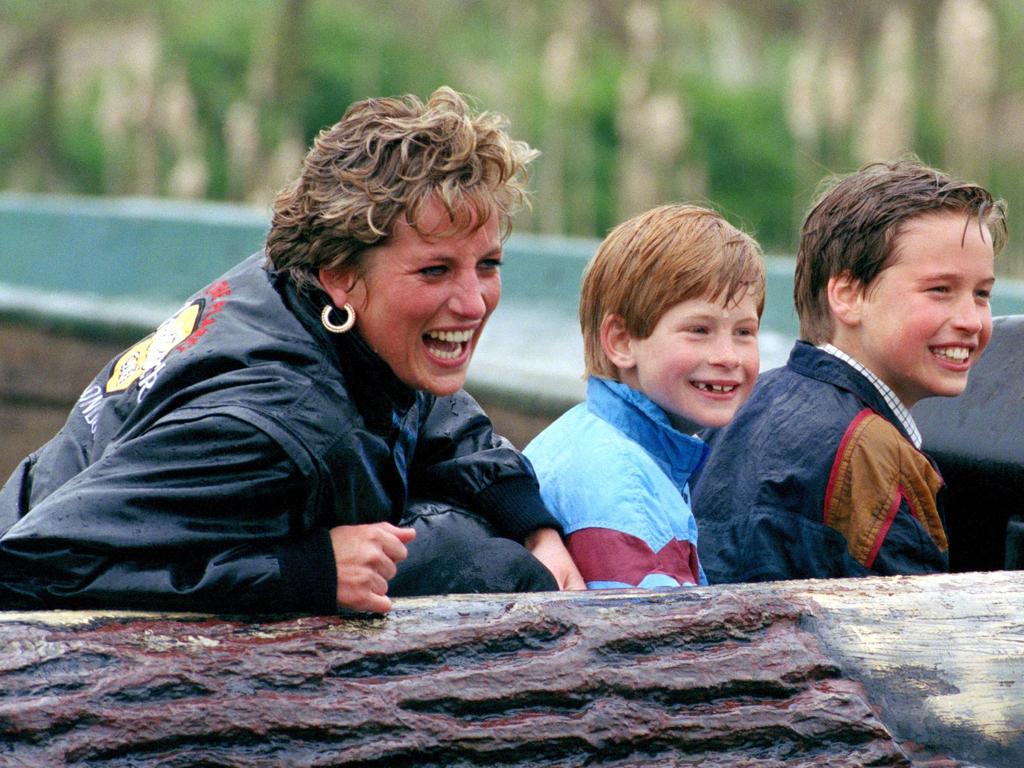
[[898, 408]]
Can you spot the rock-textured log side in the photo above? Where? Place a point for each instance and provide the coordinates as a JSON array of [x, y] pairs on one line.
[[765, 675]]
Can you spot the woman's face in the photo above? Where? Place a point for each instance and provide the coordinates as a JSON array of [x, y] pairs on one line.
[[422, 301]]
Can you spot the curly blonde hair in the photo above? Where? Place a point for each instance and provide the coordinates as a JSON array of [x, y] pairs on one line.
[[393, 156]]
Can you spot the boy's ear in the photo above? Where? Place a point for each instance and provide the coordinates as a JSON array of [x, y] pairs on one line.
[[616, 341], [845, 299], [338, 283]]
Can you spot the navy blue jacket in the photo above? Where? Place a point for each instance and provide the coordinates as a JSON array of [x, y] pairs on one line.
[[203, 468], [816, 478]]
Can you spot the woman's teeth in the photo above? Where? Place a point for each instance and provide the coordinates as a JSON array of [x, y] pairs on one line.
[[458, 337], [451, 344]]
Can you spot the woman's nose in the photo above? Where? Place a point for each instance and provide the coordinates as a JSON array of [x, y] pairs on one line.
[[467, 299]]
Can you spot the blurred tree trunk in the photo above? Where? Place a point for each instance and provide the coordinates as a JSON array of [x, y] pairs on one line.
[[38, 49], [651, 120], [265, 132], [564, 134], [45, 134], [885, 128], [288, 87], [966, 78]]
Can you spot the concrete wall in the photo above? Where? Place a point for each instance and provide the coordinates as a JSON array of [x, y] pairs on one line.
[[42, 372]]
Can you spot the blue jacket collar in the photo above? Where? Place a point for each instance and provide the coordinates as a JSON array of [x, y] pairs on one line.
[[635, 415]]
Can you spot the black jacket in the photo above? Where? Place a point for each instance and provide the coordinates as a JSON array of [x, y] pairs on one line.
[[202, 469]]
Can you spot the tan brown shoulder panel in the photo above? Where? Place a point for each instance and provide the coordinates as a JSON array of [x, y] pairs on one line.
[[876, 467]]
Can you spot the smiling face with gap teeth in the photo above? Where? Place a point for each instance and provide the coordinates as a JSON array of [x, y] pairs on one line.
[[715, 387], [700, 361], [925, 319]]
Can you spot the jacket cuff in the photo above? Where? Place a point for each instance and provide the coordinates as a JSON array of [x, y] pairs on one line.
[[515, 508], [309, 575]]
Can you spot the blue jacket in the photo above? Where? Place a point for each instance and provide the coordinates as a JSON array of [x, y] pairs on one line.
[[203, 468], [815, 478], [614, 472]]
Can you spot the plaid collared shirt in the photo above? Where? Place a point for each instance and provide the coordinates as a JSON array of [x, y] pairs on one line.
[[898, 408]]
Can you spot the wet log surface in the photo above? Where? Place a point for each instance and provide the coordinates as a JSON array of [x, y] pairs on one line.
[[923, 671]]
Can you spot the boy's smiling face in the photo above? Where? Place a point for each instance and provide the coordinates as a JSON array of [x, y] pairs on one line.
[[924, 321], [699, 363]]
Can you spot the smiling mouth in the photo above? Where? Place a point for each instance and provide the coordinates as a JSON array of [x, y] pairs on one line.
[[716, 388], [447, 345], [952, 354]]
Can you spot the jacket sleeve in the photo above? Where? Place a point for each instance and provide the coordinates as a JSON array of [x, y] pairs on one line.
[[459, 459], [197, 514], [773, 542], [882, 496], [906, 548]]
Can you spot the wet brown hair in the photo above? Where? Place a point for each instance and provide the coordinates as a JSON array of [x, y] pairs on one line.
[[653, 261], [393, 156], [855, 223]]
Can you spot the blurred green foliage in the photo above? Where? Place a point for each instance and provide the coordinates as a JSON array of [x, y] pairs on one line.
[[93, 102], [744, 138]]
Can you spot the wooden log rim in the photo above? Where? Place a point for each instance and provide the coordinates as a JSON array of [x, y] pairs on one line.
[[905, 671]]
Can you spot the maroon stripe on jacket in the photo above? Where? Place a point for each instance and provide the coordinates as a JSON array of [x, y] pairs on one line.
[[603, 554]]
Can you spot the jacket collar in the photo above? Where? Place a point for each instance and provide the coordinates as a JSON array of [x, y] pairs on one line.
[[808, 360], [375, 390], [635, 415]]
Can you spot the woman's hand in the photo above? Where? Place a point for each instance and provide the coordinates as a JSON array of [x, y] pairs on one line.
[[365, 557], [546, 545]]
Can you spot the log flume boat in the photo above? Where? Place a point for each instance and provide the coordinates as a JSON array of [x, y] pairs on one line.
[[903, 671]]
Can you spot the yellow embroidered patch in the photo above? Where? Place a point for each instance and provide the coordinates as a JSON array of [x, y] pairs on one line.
[[151, 351]]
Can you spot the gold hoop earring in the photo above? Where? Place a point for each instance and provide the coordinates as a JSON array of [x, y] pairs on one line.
[[346, 326]]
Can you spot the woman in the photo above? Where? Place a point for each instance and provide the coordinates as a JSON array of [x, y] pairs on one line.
[[255, 452]]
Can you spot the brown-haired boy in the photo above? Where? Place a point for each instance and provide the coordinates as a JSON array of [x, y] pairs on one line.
[[821, 474], [670, 309]]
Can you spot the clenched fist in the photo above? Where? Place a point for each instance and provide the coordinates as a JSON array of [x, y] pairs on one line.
[[365, 557]]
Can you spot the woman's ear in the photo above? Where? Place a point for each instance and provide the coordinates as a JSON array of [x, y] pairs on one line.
[[845, 299], [338, 283], [616, 341]]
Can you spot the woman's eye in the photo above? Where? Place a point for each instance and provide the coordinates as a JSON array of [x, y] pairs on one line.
[[435, 271], [699, 329], [490, 265], [985, 295], [939, 289]]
